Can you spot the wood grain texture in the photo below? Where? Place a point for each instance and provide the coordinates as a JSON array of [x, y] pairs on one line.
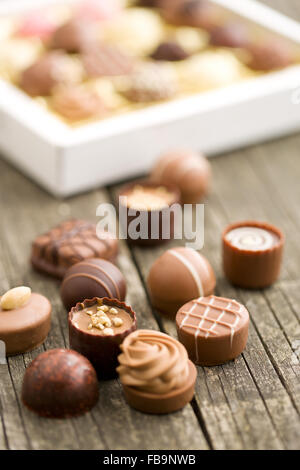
[[250, 403]]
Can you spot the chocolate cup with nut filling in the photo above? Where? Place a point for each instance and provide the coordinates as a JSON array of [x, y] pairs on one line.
[[154, 218], [101, 350]]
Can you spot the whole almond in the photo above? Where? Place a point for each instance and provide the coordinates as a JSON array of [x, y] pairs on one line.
[[15, 298]]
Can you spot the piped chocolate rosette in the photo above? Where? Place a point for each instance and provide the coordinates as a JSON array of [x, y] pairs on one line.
[[252, 254], [155, 372]]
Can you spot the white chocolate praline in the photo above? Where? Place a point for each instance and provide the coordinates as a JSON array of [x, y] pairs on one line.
[[252, 238], [210, 70], [138, 30]]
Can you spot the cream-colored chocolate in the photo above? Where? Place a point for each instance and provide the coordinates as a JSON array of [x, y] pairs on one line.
[[149, 198], [153, 362], [102, 320]]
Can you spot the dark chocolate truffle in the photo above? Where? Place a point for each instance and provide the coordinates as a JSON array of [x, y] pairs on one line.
[[252, 254], [189, 171], [169, 51], [270, 55], [230, 35], [148, 206], [25, 319], [179, 275], [76, 103], [53, 68], [92, 278], [68, 243], [214, 330], [97, 327], [74, 35], [155, 372], [60, 383]]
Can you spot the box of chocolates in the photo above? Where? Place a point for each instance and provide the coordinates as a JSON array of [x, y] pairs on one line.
[[91, 91]]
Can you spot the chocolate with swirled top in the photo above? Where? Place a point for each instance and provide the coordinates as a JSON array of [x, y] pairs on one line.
[[68, 243], [155, 372], [252, 253]]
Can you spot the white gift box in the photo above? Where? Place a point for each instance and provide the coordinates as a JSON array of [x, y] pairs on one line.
[[67, 160]]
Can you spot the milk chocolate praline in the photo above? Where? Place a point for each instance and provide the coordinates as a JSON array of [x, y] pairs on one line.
[[234, 35], [27, 326], [214, 330], [189, 171], [151, 210], [74, 35], [60, 383], [270, 55], [177, 276], [92, 278], [101, 349], [253, 262], [69, 243], [155, 372], [195, 13]]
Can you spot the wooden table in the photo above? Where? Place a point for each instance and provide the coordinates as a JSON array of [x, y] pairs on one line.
[[251, 403]]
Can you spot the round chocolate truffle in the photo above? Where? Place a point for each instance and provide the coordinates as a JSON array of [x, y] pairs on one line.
[[155, 372], [150, 219], [252, 254], [189, 171], [97, 327], [214, 330], [179, 275], [169, 51], [92, 278], [74, 35], [53, 68], [25, 319], [60, 383], [196, 13], [230, 35], [270, 55]]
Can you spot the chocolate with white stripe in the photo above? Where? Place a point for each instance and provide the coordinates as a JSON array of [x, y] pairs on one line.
[[179, 275], [68, 243], [92, 278]]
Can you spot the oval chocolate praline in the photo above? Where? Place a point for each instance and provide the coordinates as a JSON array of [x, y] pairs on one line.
[[60, 383], [91, 339], [94, 277]]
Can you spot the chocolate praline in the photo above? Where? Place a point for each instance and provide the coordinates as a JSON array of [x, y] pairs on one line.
[[169, 51], [155, 372], [74, 35], [76, 103], [53, 68], [70, 242], [92, 278], [96, 334], [214, 330], [233, 35], [270, 55], [195, 13], [146, 207], [252, 254], [178, 276], [26, 327], [60, 383], [189, 171]]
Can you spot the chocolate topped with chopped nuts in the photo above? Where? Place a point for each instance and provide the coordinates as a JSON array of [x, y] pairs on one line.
[[97, 327], [102, 320]]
